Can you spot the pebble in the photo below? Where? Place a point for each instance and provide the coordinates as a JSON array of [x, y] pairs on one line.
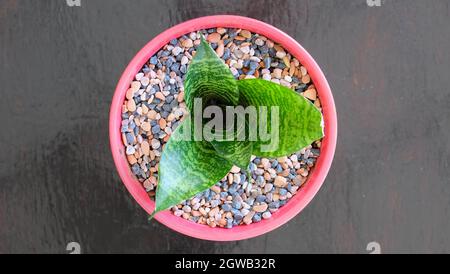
[[266, 215], [281, 54], [130, 150], [145, 81], [260, 208], [214, 203], [267, 77], [221, 30], [131, 159], [274, 205], [156, 144], [213, 212], [184, 60], [277, 73], [303, 71], [216, 189], [187, 209], [130, 139], [245, 50], [145, 148], [248, 219], [245, 33], [237, 205], [256, 218], [213, 37], [226, 207], [260, 198], [146, 126], [155, 105], [311, 94], [154, 60], [176, 51], [152, 114], [268, 188], [220, 50], [187, 43], [131, 105], [280, 181], [159, 95], [259, 42], [156, 129], [235, 169], [306, 79], [238, 216]]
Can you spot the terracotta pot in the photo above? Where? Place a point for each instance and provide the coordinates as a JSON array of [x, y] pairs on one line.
[[305, 194]]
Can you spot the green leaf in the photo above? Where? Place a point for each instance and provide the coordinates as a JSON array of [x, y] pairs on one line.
[[210, 79], [187, 168], [299, 121], [238, 149], [237, 152]]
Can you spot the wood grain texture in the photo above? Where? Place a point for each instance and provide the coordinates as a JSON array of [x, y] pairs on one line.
[[388, 68]]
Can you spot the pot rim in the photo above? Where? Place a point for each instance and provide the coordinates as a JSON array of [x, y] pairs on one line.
[[305, 194]]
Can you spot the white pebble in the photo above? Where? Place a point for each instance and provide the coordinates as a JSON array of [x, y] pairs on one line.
[[245, 49], [145, 81], [294, 158], [281, 54], [176, 51], [259, 42], [267, 77], [156, 144], [184, 60], [139, 76]]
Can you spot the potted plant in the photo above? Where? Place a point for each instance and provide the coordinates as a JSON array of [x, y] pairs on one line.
[[188, 167]]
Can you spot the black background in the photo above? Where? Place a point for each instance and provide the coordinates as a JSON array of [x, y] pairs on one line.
[[389, 69]]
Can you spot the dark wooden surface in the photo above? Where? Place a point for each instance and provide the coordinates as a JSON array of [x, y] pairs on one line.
[[389, 69]]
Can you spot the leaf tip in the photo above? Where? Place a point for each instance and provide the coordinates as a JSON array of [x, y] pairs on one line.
[[152, 215]]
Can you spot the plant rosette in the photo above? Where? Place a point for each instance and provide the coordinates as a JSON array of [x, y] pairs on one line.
[[169, 136]]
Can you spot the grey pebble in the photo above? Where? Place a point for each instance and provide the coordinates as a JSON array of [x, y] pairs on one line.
[[136, 169], [274, 205], [238, 216], [268, 187], [237, 205], [156, 129], [154, 60], [214, 203], [187, 209], [260, 198], [282, 191], [130, 138], [226, 207]]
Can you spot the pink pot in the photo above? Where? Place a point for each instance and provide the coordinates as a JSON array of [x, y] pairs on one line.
[[296, 203]]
